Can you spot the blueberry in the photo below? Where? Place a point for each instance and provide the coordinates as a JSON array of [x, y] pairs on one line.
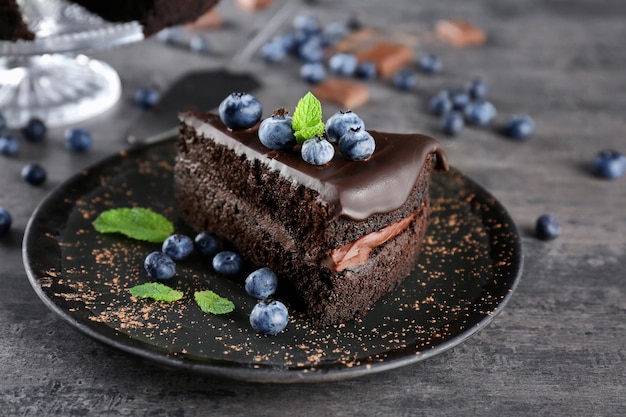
[[8, 145], [276, 132], [240, 111], [5, 221], [479, 113], [317, 151], [355, 20], [273, 51], [34, 130], [478, 89], [518, 127], [459, 98], [452, 123], [430, 64], [366, 70], [306, 23], [207, 244], [339, 123], [177, 247], [311, 50], [610, 164], [334, 32], [146, 98], [547, 227], [357, 144], [290, 41], [78, 140], [171, 35], [269, 317], [227, 263], [343, 64], [404, 79], [34, 174], [159, 266], [313, 72], [200, 44], [261, 283], [440, 104]]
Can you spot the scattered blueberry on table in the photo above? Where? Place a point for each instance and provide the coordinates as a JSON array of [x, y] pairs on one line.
[[404, 79], [430, 64], [78, 140], [240, 111], [9, 145], [357, 144], [313, 72], [227, 263], [317, 151], [207, 244], [177, 247], [478, 89], [340, 122], [366, 70], [440, 103], [452, 123], [518, 127], [5, 221], [269, 317], [34, 130], [34, 174], [479, 113], [343, 64], [547, 227], [274, 51], [276, 132], [159, 266], [200, 44], [261, 283], [459, 97], [146, 98], [610, 164]]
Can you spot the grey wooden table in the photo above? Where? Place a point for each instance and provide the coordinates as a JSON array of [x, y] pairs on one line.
[[558, 348]]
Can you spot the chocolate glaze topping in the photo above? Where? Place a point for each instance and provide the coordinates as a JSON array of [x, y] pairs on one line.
[[358, 188]]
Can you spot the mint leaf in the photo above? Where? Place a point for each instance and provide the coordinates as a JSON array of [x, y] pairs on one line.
[[307, 118], [156, 291], [212, 303], [137, 223]]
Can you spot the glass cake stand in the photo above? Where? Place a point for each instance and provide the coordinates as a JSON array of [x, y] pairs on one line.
[[50, 77]]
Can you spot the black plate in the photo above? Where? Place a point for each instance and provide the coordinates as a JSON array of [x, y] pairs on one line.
[[470, 265]]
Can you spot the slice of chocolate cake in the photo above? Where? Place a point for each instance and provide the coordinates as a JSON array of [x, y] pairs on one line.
[[343, 234]]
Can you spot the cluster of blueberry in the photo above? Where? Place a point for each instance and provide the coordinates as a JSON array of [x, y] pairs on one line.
[[268, 316], [241, 111]]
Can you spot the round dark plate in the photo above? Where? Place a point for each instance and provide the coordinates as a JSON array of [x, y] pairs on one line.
[[470, 265]]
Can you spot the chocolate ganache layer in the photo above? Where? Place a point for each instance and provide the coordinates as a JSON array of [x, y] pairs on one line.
[[360, 189]]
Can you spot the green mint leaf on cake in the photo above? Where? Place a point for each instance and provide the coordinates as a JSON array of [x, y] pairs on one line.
[[212, 303], [307, 118], [136, 223], [156, 291]]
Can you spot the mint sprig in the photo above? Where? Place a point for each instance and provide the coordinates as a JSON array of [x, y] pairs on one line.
[[307, 118], [136, 223], [156, 291], [211, 303]]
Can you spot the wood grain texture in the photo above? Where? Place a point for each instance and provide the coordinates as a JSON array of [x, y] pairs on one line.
[[559, 346]]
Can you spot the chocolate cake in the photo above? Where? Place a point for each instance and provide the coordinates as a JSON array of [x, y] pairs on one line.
[[343, 234], [153, 15]]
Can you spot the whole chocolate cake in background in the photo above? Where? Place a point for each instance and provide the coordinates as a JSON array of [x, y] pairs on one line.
[[343, 234], [153, 15]]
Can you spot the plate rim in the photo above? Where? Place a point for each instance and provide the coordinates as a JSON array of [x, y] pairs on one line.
[[239, 370]]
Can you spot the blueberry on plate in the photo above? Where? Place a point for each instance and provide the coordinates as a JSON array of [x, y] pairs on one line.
[[342, 64], [430, 63], [159, 266], [518, 127], [227, 263], [240, 111], [177, 247], [479, 113], [269, 317], [478, 89], [610, 164], [5, 221], [404, 79], [342, 121], [34, 130], [357, 144], [261, 283], [313, 72], [366, 70], [317, 151], [452, 123], [440, 104], [276, 131], [547, 227], [8, 145], [78, 140], [146, 98], [207, 244], [34, 174]]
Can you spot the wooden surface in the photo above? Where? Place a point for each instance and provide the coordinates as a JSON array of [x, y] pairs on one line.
[[558, 348]]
